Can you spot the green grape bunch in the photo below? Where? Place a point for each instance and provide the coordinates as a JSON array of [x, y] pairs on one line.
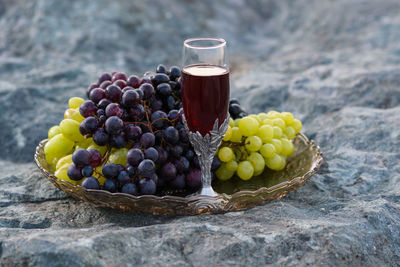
[[256, 141]]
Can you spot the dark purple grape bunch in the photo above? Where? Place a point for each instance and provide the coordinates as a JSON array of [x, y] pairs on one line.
[[235, 110], [84, 162]]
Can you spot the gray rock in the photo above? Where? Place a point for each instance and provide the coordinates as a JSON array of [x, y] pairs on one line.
[[335, 64]]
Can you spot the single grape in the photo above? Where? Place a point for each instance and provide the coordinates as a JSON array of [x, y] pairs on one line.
[[134, 156], [277, 132], [182, 165], [173, 114], [147, 140], [228, 134], [133, 81], [90, 88], [258, 162], [232, 165], [61, 174], [88, 125], [151, 153], [53, 131], [297, 125], [267, 150], [91, 183], [120, 83], [162, 155], [235, 110], [290, 132], [179, 182], [253, 143], [104, 103], [225, 154], [88, 108], [266, 133], [100, 137], [95, 157], [67, 160], [137, 113], [164, 89], [87, 171], [161, 69], [223, 173], [196, 162], [159, 78], [130, 189], [245, 170], [146, 168], [73, 114], [97, 94], [147, 186], [279, 123], [74, 172], [174, 85], [113, 93], [236, 135], [276, 163], [248, 126], [158, 118], [105, 84], [131, 171], [132, 132], [278, 145], [171, 135], [170, 102], [123, 177], [193, 179], [156, 105], [140, 93], [119, 76], [114, 125], [130, 98], [58, 146], [114, 109], [174, 73], [104, 77], [109, 185], [81, 157], [287, 147], [183, 135], [110, 170], [216, 163], [75, 102], [148, 90], [70, 129], [234, 101], [168, 171]]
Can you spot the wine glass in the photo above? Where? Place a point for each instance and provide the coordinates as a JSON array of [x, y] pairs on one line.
[[205, 99]]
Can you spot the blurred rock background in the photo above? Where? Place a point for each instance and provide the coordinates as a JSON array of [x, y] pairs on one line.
[[334, 64]]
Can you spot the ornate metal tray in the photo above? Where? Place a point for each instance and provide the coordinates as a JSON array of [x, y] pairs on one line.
[[233, 194]]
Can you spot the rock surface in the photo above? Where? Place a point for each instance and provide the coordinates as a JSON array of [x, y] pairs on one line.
[[335, 64]]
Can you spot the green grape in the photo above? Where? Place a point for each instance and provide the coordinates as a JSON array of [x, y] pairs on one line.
[[236, 135], [73, 114], [253, 143], [75, 102], [245, 170], [70, 129], [278, 145], [225, 154], [276, 163], [236, 122], [231, 122], [287, 117], [63, 161], [101, 149], [297, 125], [261, 117], [254, 116], [231, 165], [258, 162], [290, 132], [277, 132], [58, 146], [267, 150], [266, 133], [118, 156], [223, 173], [287, 147], [279, 122], [268, 122], [248, 126], [53, 131], [85, 143], [273, 114], [61, 174], [228, 134], [99, 174]]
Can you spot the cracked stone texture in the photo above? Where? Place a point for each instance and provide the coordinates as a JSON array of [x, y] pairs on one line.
[[334, 64]]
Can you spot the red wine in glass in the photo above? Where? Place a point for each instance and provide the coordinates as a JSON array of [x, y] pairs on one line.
[[205, 96]]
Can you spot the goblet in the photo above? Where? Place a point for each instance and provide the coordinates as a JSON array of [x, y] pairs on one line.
[[205, 99]]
